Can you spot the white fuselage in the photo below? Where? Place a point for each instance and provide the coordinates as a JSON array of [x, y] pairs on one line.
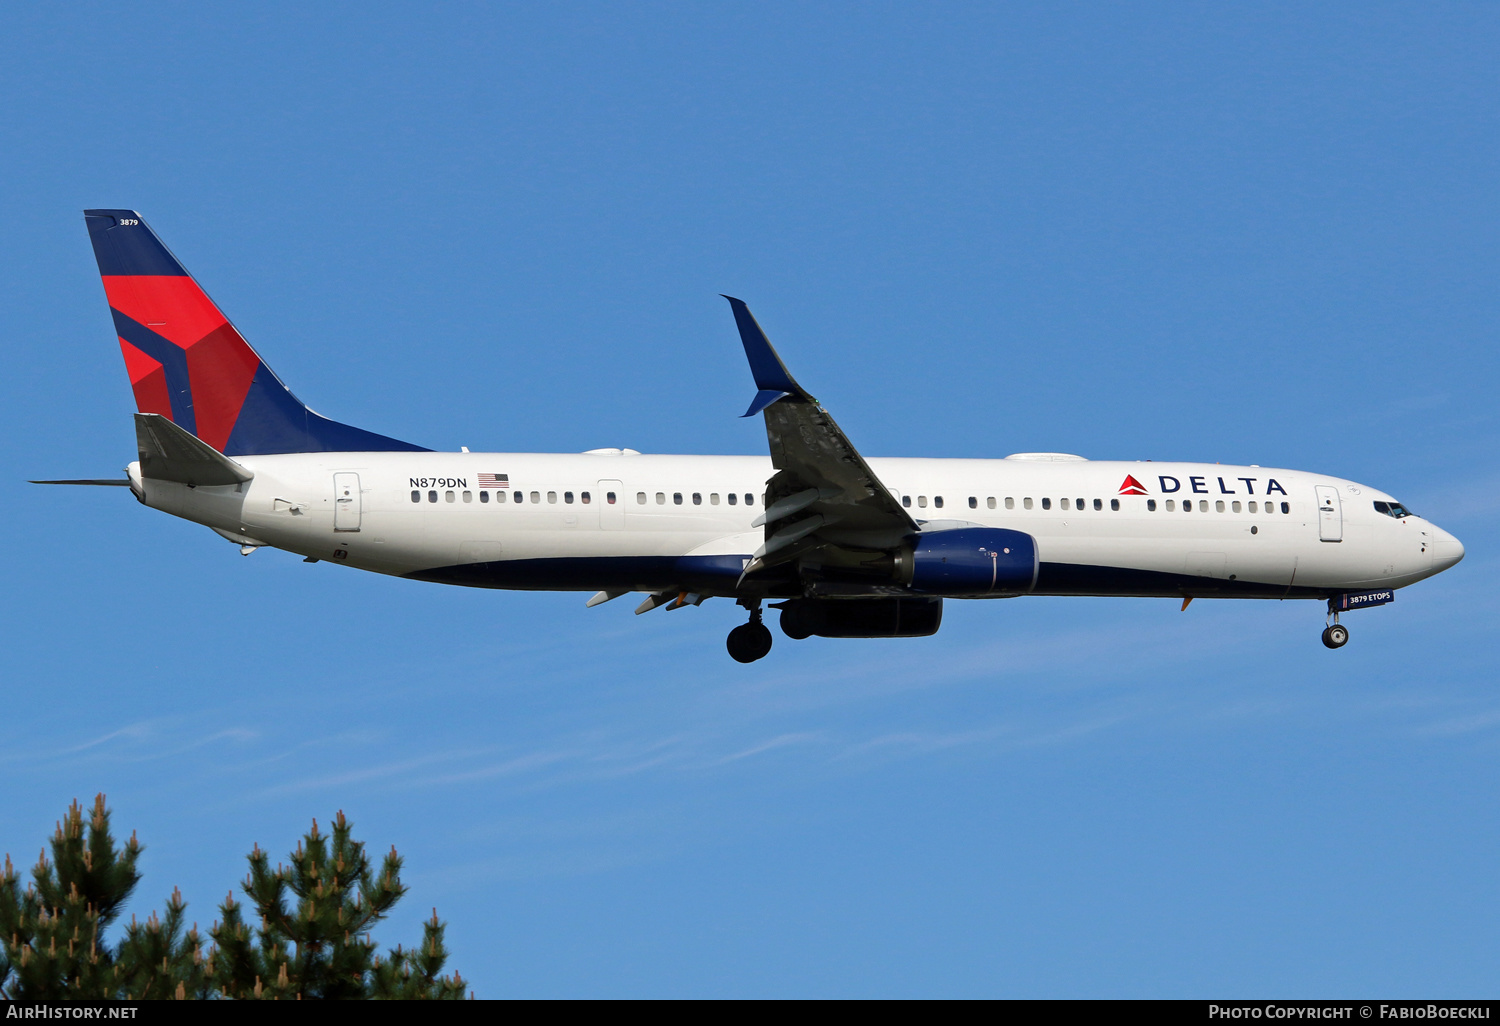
[[1248, 532]]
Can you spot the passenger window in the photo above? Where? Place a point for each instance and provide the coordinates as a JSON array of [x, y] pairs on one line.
[[448, 496], [922, 501], [937, 500], [697, 498], [1286, 507], [520, 497], [1171, 506], [551, 496], [733, 498], [1218, 506], [1063, 503], [906, 501], [677, 498], [1046, 503], [640, 498], [484, 496], [1100, 505], [585, 498], [1202, 505], [1235, 506], [1150, 505], [416, 496], [973, 502], [713, 498], [1253, 507], [432, 496], [500, 496], [990, 502], [1081, 505], [568, 497], [749, 499], [1026, 502], [1114, 504], [468, 496], [609, 497], [1010, 503], [661, 498], [536, 497]]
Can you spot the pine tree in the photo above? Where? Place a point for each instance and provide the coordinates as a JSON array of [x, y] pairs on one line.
[[317, 946], [52, 934], [156, 960], [321, 948]]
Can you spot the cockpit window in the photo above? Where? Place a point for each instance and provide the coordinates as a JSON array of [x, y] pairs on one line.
[[1393, 509]]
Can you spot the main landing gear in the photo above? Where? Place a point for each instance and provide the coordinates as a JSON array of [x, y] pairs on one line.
[[1335, 635], [750, 641]]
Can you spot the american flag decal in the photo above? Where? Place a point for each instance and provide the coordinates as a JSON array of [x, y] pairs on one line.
[[494, 480]]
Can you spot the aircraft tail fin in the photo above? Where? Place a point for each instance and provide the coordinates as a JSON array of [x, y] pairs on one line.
[[188, 364]]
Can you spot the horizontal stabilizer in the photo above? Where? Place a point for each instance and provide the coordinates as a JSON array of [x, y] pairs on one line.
[[168, 453], [121, 482]]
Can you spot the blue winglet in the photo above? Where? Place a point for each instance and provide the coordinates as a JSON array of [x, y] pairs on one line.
[[765, 397], [771, 376]]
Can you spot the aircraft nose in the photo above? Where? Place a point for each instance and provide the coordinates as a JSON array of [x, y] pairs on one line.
[[1446, 550]]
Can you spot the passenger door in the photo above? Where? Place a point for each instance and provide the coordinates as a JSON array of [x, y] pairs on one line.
[[1330, 514], [346, 502]]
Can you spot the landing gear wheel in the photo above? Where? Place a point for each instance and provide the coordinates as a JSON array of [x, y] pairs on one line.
[[1335, 635], [749, 642], [792, 624]]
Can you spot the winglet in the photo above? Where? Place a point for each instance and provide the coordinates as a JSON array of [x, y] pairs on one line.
[[771, 376]]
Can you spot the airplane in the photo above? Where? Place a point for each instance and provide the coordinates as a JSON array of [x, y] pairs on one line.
[[842, 546]]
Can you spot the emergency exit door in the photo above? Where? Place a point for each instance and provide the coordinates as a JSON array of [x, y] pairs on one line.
[[1330, 514], [346, 502]]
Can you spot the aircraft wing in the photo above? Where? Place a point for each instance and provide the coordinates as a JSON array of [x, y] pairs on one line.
[[823, 492]]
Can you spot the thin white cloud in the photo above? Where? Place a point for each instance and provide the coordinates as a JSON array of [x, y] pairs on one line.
[[136, 731], [781, 741], [360, 776], [1462, 725]]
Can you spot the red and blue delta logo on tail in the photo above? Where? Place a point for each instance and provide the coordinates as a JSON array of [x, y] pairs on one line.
[[188, 363]]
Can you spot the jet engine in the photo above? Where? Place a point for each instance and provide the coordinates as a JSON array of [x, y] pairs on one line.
[[969, 562], [861, 618]]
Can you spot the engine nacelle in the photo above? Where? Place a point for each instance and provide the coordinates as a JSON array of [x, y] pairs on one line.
[[862, 618], [971, 561]]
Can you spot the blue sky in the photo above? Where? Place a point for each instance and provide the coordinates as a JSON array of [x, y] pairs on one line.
[[1255, 234]]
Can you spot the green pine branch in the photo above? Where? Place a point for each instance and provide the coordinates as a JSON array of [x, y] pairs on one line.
[[311, 935]]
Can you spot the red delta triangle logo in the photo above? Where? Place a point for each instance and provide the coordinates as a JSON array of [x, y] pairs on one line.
[[1130, 486]]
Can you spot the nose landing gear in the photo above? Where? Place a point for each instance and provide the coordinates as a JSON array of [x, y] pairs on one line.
[[1335, 635], [749, 641]]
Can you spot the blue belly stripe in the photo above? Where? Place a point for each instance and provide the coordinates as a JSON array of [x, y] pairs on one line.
[[717, 575]]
